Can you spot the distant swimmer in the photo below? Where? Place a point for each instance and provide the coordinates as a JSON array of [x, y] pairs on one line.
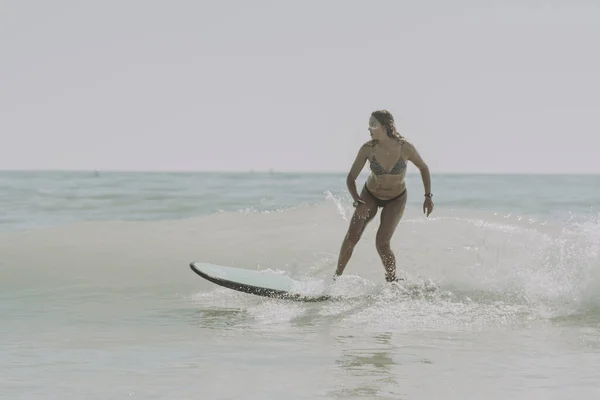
[[385, 188]]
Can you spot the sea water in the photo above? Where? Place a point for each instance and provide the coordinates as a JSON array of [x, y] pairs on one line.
[[97, 300]]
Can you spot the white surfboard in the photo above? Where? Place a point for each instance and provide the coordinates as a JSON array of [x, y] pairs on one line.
[[260, 283]]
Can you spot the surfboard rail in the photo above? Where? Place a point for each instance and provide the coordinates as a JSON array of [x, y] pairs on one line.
[[197, 267]]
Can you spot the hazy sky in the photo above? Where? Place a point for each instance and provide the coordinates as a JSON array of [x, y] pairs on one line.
[[477, 86]]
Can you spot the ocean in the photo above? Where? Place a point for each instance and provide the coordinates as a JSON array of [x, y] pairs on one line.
[[97, 300]]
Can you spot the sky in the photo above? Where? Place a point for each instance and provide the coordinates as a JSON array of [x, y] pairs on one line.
[[476, 86]]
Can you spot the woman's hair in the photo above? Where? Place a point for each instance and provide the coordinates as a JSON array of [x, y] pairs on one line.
[[386, 119]]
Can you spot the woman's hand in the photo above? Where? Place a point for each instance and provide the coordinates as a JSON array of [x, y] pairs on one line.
[[428, 206], [362, 210]]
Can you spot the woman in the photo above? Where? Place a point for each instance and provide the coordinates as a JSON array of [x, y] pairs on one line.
[[385, 188]]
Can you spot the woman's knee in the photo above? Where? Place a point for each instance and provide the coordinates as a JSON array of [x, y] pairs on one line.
[[352, 238]]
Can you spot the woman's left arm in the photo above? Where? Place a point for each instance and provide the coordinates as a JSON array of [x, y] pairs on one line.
[[414, 157]]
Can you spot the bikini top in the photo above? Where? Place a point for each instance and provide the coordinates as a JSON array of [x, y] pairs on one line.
[[396, 169]]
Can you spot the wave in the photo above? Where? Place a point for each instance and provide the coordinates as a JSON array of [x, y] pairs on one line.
[[478, 261]]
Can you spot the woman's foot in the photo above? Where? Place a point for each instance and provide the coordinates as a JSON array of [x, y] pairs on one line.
[[394, 279]]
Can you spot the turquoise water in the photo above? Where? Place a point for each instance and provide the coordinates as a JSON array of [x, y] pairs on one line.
[[41, 199], [97, 299]]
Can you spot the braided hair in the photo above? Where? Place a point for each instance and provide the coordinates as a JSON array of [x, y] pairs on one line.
[[386, 119]]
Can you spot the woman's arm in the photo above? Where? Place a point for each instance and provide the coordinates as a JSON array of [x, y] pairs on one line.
[[357, 166], [414, 157]]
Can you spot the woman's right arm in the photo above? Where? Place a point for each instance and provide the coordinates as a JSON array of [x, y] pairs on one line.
[[357, 166]]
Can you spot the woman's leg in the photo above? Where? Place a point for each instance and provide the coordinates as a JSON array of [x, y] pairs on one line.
[[390, 217], [355, 231]]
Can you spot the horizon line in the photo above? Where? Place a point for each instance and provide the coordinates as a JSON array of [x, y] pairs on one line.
[[275, 171]]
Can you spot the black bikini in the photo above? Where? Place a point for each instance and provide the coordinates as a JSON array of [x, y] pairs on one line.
[[381, 202]]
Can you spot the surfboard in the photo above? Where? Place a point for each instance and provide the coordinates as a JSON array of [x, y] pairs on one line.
[[260, 283]]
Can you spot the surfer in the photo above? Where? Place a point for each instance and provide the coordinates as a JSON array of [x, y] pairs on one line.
[[385, 188]]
